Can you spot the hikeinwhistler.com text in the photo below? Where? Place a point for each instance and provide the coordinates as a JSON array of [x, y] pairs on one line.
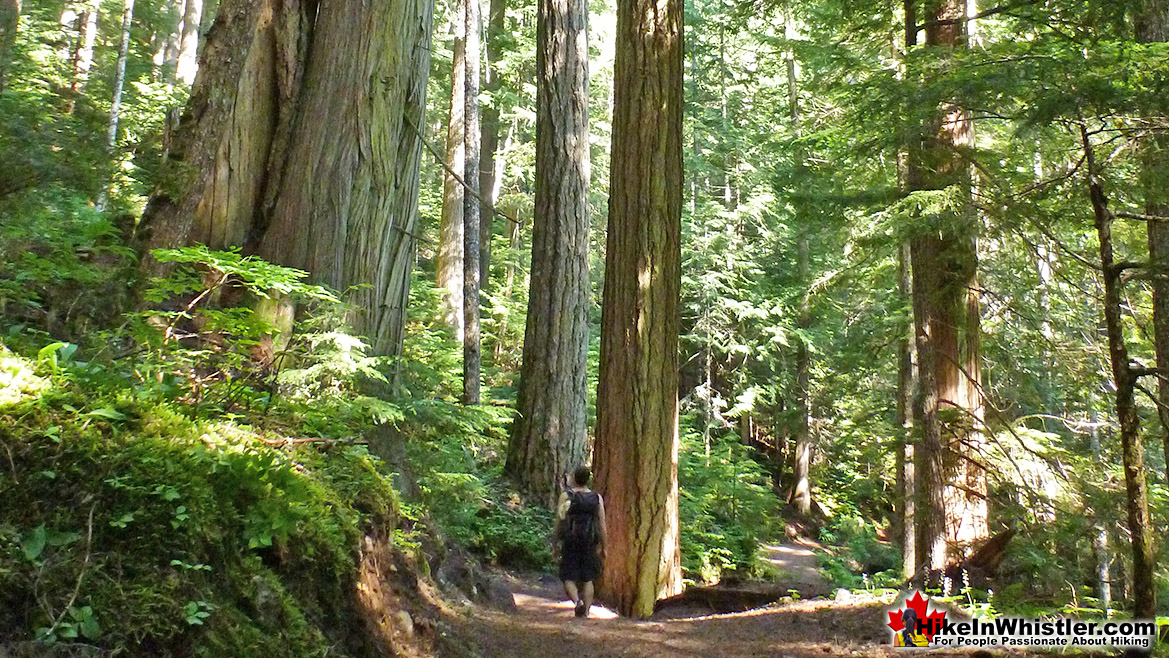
[[1057, 632]]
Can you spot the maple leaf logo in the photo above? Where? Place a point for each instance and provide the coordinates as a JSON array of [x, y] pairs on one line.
[[928, 623]]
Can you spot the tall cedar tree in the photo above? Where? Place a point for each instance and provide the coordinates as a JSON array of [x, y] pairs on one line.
[[637, 398], [548, 438], [950, 483], [254, 162]]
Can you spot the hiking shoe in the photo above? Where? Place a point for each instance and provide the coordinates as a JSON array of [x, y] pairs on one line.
[[580, 609]]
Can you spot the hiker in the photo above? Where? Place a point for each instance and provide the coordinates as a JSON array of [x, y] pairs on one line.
[[578, 540]]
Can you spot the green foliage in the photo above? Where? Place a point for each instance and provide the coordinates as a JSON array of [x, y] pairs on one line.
[[137, 525], [726, 508]]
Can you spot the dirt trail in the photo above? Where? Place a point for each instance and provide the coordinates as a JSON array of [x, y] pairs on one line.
[[544, 627]]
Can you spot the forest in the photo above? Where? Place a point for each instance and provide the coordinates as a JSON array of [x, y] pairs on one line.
[[310, 308]]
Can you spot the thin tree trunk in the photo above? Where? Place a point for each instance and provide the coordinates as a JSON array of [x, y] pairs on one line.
[[548, 439], [491, 128], [1100, 542], [119, 83], [471, 216], [169, 60], [83, 57], [9, 22], [637, 398], [450, 230], [1152, 26], [188, 62], [904, 451], [1125, 379], [802, 493]]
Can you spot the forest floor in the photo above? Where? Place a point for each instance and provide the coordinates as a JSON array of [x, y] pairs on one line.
[[543, 625]]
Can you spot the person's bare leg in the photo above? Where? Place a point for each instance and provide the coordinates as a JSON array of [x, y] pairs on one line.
[[588, 597], [571, 591]]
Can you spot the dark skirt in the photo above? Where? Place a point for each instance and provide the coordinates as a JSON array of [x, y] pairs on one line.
[[579, 564]]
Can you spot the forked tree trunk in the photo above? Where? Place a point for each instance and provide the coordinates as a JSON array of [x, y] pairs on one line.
[[637, 399], [449, 268], [472, 343], [254, 165], [1125, 380], [548, 438], [951, 481]]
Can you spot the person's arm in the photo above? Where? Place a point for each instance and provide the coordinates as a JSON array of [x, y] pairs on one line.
[[556, 528], [603, 533]]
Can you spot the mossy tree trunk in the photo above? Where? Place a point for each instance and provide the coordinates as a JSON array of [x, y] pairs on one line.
[[1125, 377], [253, 164], [548, 438], [637, 400]]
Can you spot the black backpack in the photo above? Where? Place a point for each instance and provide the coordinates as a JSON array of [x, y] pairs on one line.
[[581, 524]]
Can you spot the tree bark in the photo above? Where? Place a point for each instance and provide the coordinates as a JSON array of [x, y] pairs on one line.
[[188, 63], [905, 528], [252, 163], [9, 21], [951, 481], [1125, 379], [116, 103], [802, 491], [1152, 26], [83, 57], [450, 229], [488, 173], [548, 439], [637, 398], [472, 344]]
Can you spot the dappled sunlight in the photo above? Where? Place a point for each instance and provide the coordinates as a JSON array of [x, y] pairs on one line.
[[18, 381]]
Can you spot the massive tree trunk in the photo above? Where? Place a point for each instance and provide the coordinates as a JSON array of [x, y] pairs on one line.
[[1125, 379], [951, 480], [548, 439], [9, 21], [637, 398], [449, 268], [254, 164], [1152, 26], [472, 344]]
